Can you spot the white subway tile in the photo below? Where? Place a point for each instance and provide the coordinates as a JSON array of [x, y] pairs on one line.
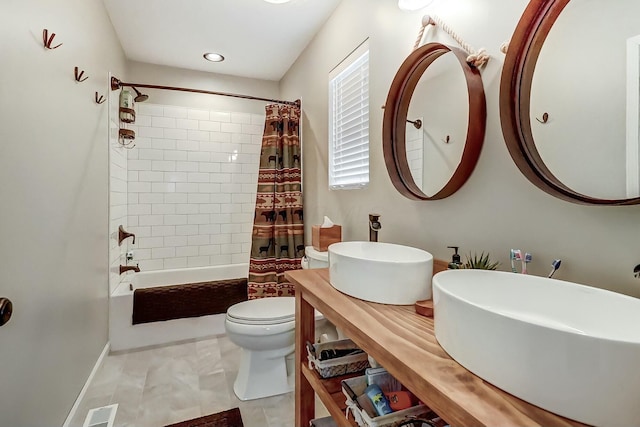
[[198, 135], [257, 119], [251, 148], [198, 219], [141, 142], [220, 137], [230, 127], [252, 129], [187, 124], [177, 133], [250, 188], [141, 254], [163, 165], [150, 219], [150, 176], [163, 187], [198, 261], [231, 188], [222, 259], [176, 198], [249, 207], [199, 198], [119, 186], [149, 242], [245, 178], [186, 230], [186, 251], [246, 248], [209, 208], [209, 250], [131, 176], [230, 208], [240, 138], [163, 253], [217, 239], [220, 198], [163, 230], [198, 177], [132, 221], [152, 265], [240, 118], [150, 132], [149, 109], [172, 263], [139, 165], [188, 145], [209, 167], [175, 112], [132, 198], [176, 220], [151, 198], [208, 188], [206, 146], [139, 187], [164, 144], [175, 241], [198, 240], [241, 198], [219, 116], [175, 155], [139, 209], [209, 126], [241, 238], [250, 168], [220, 218], [163, 122], [220, 158], [163, 209], [231, 228], [246, 158], [210, 229], [186, 208], [198, 156], [232, 248], [198, 114], [184, 187], [240, 258], [187, 166], [242, 218], [143, 120], [231, 168], [132, 154], [220, 177], [175, 177], [247, 227]]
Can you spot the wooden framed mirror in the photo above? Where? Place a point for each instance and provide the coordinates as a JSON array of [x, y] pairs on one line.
[[459, 154], [565, 94]]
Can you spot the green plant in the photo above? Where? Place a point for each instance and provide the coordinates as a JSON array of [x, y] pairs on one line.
[[483, 262]]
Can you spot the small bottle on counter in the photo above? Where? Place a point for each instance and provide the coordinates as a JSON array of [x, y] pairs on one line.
[[455, 263]]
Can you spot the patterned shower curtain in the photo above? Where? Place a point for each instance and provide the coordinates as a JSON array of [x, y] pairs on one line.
[[278, 231]]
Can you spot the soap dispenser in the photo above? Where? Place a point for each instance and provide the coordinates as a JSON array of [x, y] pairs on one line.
[[455, 258]]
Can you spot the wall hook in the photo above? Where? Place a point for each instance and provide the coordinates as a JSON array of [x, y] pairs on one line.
[[447, 139], [100, 100], [417, 123], [78, 76], [545, 118], [46, 40]]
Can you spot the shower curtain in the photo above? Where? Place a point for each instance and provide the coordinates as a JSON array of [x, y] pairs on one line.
[[278, 232]]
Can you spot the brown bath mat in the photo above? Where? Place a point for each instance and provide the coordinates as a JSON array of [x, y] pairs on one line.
[[189, 300], [230, 418]]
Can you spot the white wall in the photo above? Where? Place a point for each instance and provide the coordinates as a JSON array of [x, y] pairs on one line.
[[497, 209], [54, 192], [192, 186]]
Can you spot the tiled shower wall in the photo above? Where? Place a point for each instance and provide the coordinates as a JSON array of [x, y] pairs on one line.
[[191, 184]]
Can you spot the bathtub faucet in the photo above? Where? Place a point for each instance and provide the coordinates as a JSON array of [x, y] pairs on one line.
[[124, 268]]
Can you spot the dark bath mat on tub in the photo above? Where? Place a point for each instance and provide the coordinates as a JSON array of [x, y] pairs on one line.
[[189, 300], [230, 418]]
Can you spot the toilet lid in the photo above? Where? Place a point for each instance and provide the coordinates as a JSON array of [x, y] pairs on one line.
[[266, 311]]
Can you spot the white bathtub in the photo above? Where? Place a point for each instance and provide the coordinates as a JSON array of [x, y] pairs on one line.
[[125, 336]]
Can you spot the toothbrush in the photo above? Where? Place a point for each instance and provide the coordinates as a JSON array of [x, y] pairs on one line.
[[556, 265], [518, 257], [512, 257], [526, 260]]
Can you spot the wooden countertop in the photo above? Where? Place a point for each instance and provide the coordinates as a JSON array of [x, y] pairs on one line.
[[404, 343]]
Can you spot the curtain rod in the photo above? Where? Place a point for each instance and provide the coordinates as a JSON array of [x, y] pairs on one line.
[[117, 84]]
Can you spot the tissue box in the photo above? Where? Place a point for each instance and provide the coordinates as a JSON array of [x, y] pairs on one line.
[[321, 238]]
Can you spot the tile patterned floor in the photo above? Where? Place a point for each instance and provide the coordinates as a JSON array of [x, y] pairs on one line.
[[164, 385]]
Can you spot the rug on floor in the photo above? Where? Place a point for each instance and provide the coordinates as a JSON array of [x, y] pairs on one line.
[[229, 418]]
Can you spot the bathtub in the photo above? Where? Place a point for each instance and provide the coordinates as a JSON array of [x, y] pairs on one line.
[[125, 336]]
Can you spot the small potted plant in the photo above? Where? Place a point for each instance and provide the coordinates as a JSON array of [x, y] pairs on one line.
[[482, 262]]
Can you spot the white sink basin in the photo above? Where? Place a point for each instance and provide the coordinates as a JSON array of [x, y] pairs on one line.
[[381, 272], [570, 349]]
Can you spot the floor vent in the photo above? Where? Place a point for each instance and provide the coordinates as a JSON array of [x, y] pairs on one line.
[[101, 417]]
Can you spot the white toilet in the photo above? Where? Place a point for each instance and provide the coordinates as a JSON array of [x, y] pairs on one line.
[[265, 330]]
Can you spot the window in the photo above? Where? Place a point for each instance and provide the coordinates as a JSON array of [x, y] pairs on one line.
[[349, 121]]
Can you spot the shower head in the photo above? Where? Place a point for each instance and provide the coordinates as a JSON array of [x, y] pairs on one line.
[[141, 97]]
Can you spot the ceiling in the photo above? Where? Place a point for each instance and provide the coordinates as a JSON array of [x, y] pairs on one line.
[[258, 39]]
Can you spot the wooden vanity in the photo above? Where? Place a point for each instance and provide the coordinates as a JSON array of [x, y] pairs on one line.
[[404, 343]]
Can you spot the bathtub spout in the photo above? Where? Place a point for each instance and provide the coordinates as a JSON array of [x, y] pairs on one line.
[[134, 268]]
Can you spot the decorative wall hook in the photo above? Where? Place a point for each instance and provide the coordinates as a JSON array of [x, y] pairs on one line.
[[79, 75], [417, 123], [545, 118], [447, 139], [101, 99], [47, 41]]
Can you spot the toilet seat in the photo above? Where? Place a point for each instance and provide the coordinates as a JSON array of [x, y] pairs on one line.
[[265, 311]]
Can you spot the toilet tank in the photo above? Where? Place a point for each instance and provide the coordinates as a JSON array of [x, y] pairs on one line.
[[315, 259]]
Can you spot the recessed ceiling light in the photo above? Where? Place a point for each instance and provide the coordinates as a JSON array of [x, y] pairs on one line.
[[413, 4], [213, 57], [277, 1]]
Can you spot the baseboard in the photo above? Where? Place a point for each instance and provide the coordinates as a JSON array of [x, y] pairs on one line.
[[87, 383]]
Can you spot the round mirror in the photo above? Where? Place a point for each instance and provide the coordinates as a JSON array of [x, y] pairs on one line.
[[434, 122], [570, 97]]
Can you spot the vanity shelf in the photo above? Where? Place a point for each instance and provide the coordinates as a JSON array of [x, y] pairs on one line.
[[403, 342]]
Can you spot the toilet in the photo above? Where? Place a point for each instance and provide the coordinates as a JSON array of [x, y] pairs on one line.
[[265, 330]]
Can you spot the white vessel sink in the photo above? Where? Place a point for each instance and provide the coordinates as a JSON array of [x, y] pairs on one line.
[[381, 272], [570, 349]]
